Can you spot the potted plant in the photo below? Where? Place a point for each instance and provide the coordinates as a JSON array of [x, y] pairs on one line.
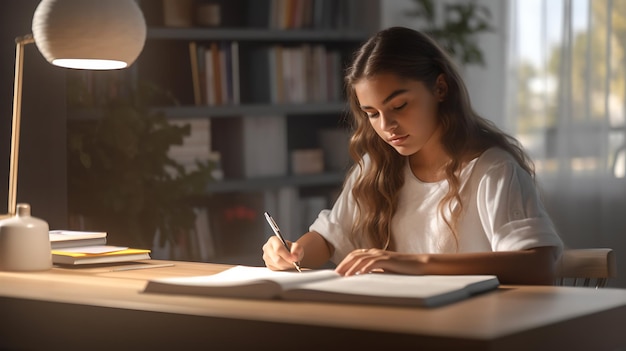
[[120, 178]]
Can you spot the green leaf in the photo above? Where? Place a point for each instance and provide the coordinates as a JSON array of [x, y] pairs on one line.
[[462, 22]]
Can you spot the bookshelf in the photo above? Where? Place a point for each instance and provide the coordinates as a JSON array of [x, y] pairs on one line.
[[267, 35], [166, 62], [262, 183]]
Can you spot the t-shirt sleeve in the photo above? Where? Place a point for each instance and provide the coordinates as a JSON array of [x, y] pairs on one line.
[[511, 210]]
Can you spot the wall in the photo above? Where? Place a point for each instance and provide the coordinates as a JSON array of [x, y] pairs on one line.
[[42, 169]]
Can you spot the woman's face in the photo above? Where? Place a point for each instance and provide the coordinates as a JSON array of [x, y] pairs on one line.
[[403, 112]]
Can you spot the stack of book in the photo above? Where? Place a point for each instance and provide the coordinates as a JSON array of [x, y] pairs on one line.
[[80, 247]]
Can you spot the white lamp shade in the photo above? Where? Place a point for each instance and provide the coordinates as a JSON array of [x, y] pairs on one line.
[[89, 34]]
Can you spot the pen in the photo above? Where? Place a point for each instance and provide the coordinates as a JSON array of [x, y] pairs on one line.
[[276, 230]]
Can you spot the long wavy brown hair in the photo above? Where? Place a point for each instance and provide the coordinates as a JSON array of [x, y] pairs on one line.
[[412, 55]]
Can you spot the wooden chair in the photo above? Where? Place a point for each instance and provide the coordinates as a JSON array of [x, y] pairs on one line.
[[586, 267]]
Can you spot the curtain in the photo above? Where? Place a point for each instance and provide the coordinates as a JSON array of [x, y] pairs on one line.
[[566, 103]]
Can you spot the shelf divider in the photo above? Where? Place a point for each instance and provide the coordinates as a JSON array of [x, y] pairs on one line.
[[264, 183], [257, 34]]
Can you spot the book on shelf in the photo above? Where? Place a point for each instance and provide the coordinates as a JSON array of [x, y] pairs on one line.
[[214, 85], [282, 74], [97, 254], [195, 73], [308, 73], [328, 286], [293, 74], [233, 73], [301, 14], [72, 238], [215, 72], [275, 70]]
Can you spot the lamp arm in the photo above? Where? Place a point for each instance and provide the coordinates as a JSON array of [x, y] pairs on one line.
[[20, 42]]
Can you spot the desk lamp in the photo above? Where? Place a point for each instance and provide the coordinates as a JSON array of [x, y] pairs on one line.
[[80, 34]]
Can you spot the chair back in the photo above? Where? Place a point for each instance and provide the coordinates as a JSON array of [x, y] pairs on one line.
[[586, 267]]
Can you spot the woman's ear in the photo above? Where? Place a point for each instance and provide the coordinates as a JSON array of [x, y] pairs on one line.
[[441, 87]]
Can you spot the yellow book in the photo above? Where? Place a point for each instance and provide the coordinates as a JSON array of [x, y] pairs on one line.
[[98, 254]]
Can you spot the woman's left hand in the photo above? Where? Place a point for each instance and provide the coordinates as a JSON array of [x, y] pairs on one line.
[[363, 261]]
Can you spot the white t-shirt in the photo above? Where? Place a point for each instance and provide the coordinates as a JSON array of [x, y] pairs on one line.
[[502, 212]]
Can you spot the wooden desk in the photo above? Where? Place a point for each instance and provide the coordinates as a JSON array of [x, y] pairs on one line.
[[96, 308]]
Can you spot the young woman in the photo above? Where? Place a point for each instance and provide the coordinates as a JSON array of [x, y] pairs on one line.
[[435, 188]]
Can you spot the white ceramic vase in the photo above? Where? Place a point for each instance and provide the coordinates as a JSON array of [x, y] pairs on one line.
[[24, 242]]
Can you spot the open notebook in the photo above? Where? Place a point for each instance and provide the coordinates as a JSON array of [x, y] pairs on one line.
[[328, 286]]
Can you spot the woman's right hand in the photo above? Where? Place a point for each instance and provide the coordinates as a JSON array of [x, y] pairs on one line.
[[278, 258]]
